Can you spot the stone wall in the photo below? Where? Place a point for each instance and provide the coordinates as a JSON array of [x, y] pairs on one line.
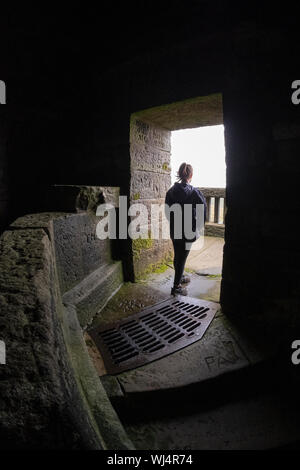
[[4, 183], [52, 283], [80, 134], [150, 147], [260, 284]]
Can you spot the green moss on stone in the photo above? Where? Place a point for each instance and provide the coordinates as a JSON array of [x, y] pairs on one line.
[[190, 270], [155, 268], [136, 196], [141, 244]]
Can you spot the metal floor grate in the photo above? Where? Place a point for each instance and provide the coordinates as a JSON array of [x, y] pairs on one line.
[[153, 332]]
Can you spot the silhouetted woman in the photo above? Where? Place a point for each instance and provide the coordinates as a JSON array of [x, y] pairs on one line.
[[183, 193]]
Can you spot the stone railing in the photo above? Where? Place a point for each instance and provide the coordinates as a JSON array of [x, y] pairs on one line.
[[216, 210]]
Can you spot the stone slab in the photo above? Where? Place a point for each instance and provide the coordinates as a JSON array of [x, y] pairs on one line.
[[262, 422], [144, 132], [216, 353], [149, 185], [79, 252], [145, 157], [214, 230]]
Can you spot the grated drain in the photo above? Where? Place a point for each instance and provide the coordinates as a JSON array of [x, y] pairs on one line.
[[152, 333]]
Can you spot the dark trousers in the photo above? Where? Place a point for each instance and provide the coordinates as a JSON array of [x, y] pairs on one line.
[[180, 256]]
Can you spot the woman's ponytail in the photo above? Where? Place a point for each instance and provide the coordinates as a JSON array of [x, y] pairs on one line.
[[185, 172]]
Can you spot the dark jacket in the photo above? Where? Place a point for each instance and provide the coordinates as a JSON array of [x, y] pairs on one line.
[[184, 193]]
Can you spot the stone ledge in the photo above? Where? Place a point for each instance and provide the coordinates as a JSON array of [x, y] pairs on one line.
[[217, 353], [92, 294], [51, 396], [72, 198], [213, 192], [214, 230]]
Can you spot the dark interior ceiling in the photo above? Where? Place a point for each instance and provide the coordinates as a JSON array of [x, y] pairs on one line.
[[53, 52], [114, 32]]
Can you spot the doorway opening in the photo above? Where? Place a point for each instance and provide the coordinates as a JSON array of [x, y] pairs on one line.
[[204, 149], [145, 315], [153, 167]]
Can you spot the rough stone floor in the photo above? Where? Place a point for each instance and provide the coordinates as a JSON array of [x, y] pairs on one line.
[[204, 266], [221, 392]]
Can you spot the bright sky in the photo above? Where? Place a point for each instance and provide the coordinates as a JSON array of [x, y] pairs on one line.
[[204, 149]]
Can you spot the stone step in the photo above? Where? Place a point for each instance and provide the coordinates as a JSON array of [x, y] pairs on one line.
[[157, 402], [222, 392], [251, 412], [94, 291], [218, 358], [254, 407]]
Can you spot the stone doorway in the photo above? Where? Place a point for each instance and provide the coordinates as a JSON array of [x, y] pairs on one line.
[[150, 178]]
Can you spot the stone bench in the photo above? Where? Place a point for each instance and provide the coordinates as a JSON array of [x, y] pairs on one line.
[[55, 276]]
